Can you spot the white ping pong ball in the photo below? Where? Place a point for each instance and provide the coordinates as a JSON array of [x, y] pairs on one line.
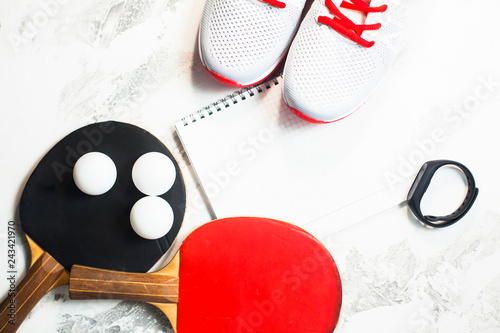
[[94, 173], [153, 173], [151, 217]]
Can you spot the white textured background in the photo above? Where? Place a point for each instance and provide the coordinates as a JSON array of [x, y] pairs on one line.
[[78, 62]]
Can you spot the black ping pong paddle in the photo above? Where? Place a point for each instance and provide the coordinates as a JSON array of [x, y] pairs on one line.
[[65, 226]]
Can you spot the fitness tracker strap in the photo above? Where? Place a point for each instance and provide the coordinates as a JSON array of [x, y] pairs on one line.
[[421, 184]]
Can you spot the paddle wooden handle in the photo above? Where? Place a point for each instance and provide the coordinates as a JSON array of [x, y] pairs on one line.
[[44, 274], [93, 283]]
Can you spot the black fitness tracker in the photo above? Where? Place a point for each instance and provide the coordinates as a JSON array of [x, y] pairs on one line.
[[421, 184]]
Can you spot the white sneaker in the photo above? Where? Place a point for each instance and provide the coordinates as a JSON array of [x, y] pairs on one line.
[[242, 42], [341, 52]]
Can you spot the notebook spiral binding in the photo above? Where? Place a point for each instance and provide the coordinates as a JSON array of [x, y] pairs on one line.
[[229, 100]]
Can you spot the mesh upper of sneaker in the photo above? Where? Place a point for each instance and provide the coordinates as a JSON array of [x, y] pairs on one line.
[[327, 76], [244, 40]]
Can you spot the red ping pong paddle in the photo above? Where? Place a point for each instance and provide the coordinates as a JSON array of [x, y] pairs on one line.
[[233, 275], [75, 228]]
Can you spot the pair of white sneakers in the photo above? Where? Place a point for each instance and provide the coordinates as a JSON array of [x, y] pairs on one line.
[[334, 60]]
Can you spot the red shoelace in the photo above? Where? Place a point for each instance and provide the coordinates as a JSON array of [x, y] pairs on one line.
[[345, 26], [275, 3]]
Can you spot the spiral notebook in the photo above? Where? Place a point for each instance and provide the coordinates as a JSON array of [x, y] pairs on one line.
[[253, 157]]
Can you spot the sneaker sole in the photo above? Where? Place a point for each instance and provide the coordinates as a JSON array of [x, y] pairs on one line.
[[221, 79], [315, 121]]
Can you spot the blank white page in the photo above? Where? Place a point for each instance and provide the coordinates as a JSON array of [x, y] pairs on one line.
[[255, 158]]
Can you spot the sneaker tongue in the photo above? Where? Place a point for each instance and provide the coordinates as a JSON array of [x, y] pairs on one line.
[[355, 16]]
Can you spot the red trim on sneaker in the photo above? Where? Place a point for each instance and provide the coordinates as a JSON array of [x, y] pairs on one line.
[[304, 117], [312, 120], [221, 79]]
